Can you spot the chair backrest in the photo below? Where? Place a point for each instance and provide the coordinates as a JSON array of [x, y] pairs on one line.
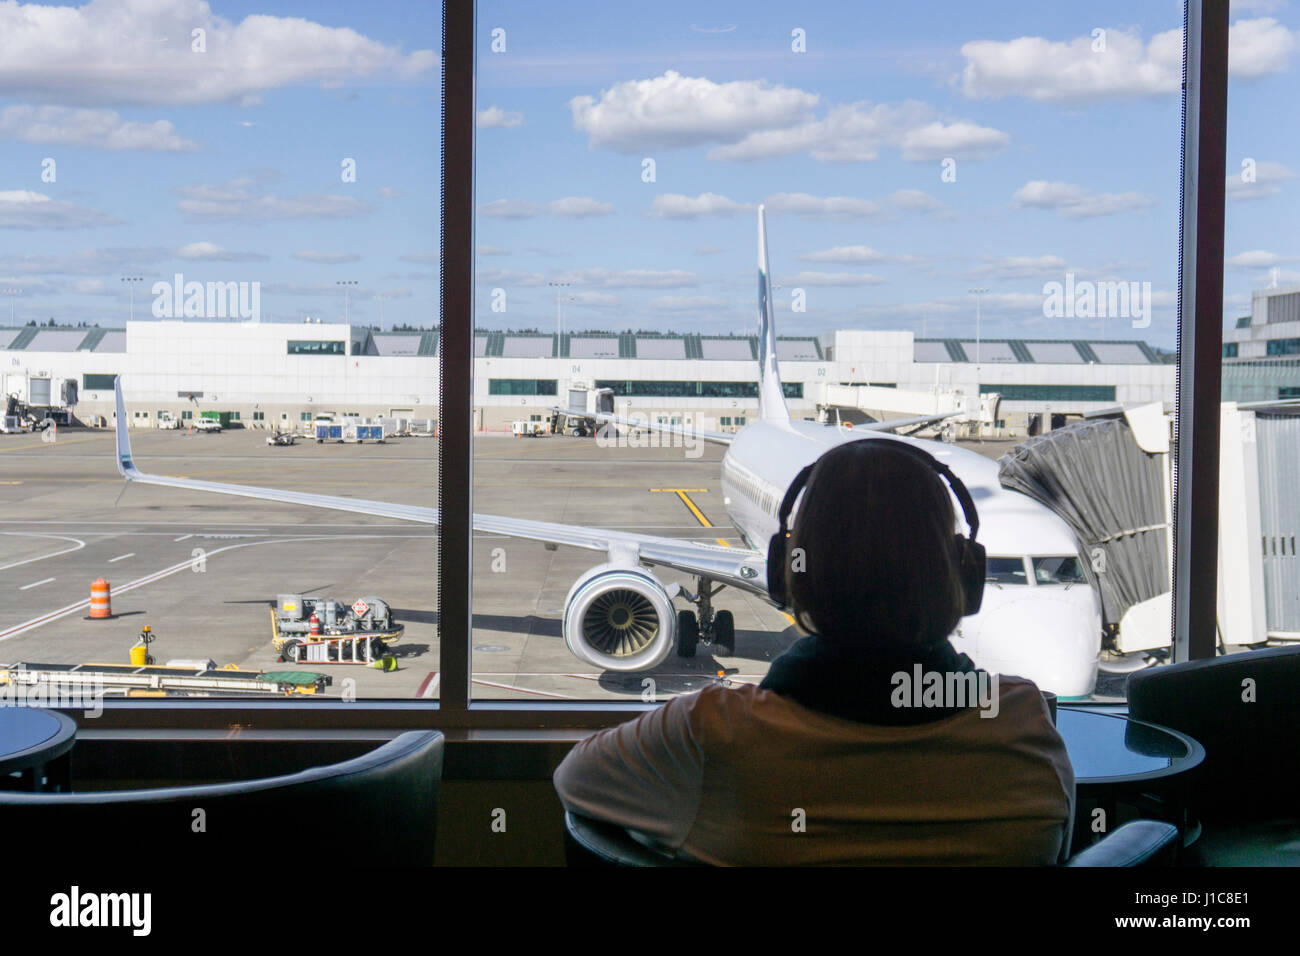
[[384, 804], [1244, 710]]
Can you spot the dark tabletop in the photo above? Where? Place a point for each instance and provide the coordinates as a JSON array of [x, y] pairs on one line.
[[29, 736], [1112, 749]]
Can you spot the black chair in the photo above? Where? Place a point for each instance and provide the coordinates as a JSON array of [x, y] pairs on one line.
[[592, 843], [385, 802], [1247, 791]]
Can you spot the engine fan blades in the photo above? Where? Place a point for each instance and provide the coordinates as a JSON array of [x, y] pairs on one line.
[[620, 622]]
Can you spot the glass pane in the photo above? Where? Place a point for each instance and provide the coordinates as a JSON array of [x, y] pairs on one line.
[[234, 216], [1259, 523], [977, 237]]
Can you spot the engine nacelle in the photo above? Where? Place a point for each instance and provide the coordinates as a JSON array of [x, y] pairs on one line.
[[619, 618]]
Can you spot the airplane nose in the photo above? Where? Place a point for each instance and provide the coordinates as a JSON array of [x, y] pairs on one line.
[[1051, 637]]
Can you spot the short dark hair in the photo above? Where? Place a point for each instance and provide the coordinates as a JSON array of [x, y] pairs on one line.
[[872, 559]]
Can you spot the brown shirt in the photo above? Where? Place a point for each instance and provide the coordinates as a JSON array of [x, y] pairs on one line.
[[747, 776]]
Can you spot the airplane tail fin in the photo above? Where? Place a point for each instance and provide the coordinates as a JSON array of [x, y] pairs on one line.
[[771, 397]]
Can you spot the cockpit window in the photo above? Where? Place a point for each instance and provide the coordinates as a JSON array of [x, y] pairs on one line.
[[1058, 570], [1005, 571]]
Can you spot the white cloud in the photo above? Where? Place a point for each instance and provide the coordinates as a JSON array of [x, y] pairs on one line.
[[1254, 259], [677, 206], [914, 200], [578, 207], [1267, 181], [139, 52], [856, 133], [672, 111], [84, 261], [831, 279], [327, 258], [844, 254], [90, 286], [686, 303], [211, 252], [962, 140], [1019, 267], [494, 117], [824, 207], [492, 251], [707, 250], [600, 299], [505, 277], [1074, 202], [100, 129], [629, 278], [1073, 71], [238, 200], [23, 209], [388, 192], [508, 209]]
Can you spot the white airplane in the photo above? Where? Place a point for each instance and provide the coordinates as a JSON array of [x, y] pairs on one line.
[[1040, 619]]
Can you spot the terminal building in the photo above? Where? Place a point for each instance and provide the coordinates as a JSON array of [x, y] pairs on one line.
[[278, 374]]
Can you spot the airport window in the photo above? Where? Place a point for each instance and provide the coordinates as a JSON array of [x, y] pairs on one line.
[[305, 416], [96, 382], [1284, 347], [1288, 391], [305, 347], [259, 416], [522, 386], [186, 415], [234, 416], [1052, 393], [1230, 350]]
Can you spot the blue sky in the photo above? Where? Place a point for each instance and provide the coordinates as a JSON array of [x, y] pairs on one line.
[[226, 165]]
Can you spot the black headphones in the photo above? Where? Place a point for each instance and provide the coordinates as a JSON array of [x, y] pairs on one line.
[[970, 553]]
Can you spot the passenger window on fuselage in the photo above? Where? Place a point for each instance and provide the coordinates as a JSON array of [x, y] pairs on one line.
[[1005, 571], [1065, 569]]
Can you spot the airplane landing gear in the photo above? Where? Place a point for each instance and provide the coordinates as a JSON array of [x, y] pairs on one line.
[[704, 624]]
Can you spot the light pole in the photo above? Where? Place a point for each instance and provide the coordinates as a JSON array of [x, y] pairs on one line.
[[130, 284], [11, 293], [559, 315], [977, 293], [347, 288]]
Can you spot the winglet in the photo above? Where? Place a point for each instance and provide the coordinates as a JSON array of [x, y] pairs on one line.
[[125, 465]]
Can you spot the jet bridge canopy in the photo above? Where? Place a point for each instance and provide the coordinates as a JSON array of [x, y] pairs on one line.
[[1111, 492]]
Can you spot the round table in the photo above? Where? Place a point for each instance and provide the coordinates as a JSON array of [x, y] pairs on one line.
[[1115, 756], [35, 743]]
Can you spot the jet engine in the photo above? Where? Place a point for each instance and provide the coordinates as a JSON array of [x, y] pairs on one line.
[[619, 618]]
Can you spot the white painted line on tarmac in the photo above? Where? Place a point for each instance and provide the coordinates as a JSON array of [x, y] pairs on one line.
[[122, 557], [183, 537], [54, 554], [35, 584]]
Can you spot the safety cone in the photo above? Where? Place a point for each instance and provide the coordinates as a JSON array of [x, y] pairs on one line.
[[101, 605]]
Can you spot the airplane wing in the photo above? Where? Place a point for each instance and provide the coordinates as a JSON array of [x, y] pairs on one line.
[[739, 567], [683, 431]]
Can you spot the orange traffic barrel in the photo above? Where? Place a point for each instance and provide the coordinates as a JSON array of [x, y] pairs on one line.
[[100, 603]]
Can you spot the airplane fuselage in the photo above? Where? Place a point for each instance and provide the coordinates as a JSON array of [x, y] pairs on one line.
[[1047, 632]]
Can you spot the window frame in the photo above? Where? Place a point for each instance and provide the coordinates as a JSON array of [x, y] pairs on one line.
[[1197, 397]]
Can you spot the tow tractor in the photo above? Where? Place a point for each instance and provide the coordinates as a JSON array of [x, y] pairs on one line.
[[278, 437], [325, 631]]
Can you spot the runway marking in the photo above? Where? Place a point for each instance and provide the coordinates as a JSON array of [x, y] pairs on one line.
[[122, 557], [524, 690], [686, 500], [33, 534], [35, 584], [61, 441], [183, 537], [130, 586], [428, 688]]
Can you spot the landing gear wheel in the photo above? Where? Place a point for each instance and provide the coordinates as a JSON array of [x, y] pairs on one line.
[[688, 633], [724, 633], [291, 652]]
